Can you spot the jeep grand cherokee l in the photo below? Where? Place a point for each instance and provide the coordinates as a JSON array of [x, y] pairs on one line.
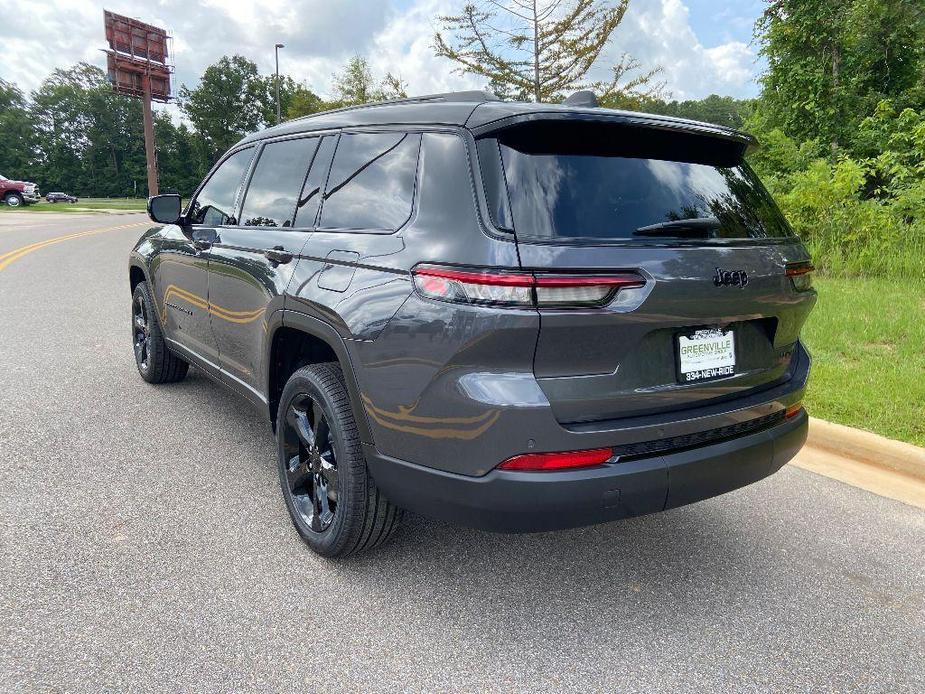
[[513, 316]]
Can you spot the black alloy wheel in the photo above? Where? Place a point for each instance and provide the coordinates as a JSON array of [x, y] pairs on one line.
[[141, 331], [155, 362], [311, 463], [333, 501]]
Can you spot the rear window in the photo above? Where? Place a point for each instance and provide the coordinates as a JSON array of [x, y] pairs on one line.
[[573, 181]]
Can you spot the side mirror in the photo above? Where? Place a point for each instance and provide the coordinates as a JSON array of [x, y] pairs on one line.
[[165, 209]]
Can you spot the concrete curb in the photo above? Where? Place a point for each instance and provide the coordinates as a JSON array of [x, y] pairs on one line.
[[866, 448], [885, 467]]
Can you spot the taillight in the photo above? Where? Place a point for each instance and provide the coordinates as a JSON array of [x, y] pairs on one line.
[[520, 289], [801, 274], [545, 462], [793, 410]]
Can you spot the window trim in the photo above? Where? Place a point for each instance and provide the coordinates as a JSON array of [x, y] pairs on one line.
[[244, 177], [324, 183], [419, 132], [262, 145]]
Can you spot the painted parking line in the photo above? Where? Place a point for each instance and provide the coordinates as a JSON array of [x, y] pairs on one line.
[[14, 255]]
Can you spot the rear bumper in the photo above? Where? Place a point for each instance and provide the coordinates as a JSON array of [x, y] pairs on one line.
[[528, 502]]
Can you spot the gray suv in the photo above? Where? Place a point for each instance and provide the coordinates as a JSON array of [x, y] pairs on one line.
[[517, 317]]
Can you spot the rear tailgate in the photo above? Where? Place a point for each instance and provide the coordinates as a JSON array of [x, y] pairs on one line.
[[623, 360], [718, 317]]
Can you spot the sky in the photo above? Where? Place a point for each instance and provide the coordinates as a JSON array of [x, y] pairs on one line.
[[704, 46]]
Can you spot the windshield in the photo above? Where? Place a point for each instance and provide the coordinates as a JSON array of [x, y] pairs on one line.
[[560, 189]]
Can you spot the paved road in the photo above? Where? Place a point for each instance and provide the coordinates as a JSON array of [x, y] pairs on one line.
[[144, 546]]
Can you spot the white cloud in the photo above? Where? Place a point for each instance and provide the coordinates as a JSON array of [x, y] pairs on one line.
[[659, 32], [320, 35]]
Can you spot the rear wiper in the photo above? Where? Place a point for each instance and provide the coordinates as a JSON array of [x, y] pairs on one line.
[[695, 228]]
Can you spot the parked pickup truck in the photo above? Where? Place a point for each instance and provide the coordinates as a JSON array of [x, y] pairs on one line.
[[18, 193]]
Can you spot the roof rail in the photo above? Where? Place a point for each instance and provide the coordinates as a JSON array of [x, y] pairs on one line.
[[473, 95]]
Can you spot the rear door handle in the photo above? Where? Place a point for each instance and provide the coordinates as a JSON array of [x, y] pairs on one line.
[[278, 255]]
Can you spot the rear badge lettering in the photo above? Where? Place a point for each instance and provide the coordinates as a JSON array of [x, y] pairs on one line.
[[730, 278]]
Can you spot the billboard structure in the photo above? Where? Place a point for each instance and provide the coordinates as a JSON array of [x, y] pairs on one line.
[[137, 65]]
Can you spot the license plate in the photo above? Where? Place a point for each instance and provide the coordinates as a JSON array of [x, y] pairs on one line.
[[705, 355]]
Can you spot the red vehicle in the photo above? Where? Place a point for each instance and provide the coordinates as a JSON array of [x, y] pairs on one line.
[[18, 193]]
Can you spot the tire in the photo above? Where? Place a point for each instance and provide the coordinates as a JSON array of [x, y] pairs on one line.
[[14, 200], [314, 478], [155, 362]]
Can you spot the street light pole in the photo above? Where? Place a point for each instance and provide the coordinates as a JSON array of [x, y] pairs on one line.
[[278, 116]]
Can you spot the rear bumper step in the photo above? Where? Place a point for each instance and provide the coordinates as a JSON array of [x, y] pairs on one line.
[[536, 501]]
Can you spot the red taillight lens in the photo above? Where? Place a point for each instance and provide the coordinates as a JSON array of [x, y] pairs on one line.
[[793, 410], [519, 288], [801, 274], [569, 460]]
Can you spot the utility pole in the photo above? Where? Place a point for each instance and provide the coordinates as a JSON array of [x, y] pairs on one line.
[[150, 155], [278, 116]]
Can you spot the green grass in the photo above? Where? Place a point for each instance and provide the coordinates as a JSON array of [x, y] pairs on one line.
[[112, 203], [83, 205], [867, 338]]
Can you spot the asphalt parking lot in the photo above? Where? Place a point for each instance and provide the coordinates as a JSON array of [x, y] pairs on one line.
[[144, 546]]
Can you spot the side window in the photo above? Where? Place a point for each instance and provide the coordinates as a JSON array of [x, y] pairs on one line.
[[310, 199], [270, 200], [214, 205], [371, 185]]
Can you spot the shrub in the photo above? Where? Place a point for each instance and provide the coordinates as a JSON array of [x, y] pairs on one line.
[[859, 215]]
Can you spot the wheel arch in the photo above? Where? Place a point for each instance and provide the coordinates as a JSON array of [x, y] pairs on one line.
[[136, 275], [295, 340]]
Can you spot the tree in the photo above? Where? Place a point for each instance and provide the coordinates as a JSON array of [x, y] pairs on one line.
[[543, 49], [302, 102], [61, 112], [831, 61], [179, 166], [355, 84], [230, 101], [721, 110], [17, 133]]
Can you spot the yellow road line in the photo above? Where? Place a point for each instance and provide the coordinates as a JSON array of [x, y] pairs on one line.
[[16, 254]]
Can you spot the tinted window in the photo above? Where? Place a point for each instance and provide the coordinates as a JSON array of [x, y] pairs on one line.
[[310, 198], [371, 185], [214, 205], [632, 184], [271, 197]]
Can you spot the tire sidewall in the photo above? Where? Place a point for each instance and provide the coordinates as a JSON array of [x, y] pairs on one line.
[[332, 540], [14, 200]]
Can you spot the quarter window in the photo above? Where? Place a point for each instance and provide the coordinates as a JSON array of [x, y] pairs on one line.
[[214, 206], [271, 197], [371, 185]]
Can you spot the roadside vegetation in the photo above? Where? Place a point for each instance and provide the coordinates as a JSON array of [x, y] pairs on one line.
[[83, 205], [866, 337], [840, 121]]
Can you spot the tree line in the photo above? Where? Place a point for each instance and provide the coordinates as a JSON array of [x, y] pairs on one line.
[[840, 117], [75, 134]]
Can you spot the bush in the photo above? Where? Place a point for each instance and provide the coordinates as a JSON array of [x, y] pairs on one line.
[[863, 213]]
